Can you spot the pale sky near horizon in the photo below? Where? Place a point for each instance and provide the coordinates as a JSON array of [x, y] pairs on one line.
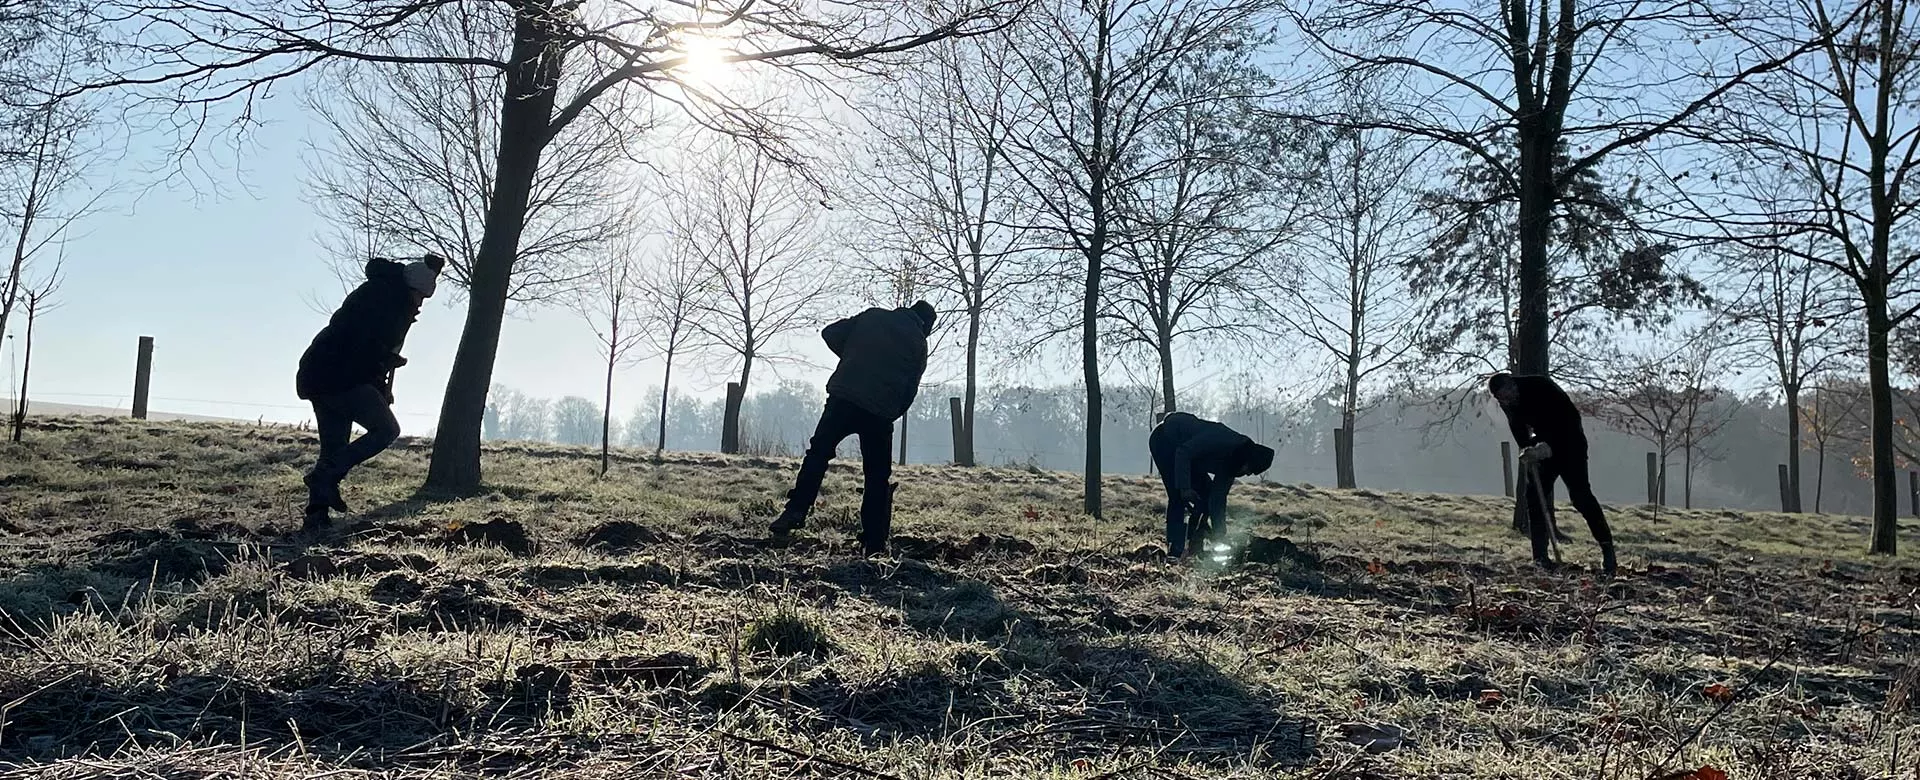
[[233, 286]]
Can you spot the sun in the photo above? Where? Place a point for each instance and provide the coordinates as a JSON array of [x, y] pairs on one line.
[[706, 63]]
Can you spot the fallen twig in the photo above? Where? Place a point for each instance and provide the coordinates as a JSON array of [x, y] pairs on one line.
[[805, 755]]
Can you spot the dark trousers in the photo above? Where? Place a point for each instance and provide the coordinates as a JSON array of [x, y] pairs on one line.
[[1198, 480], [334, 417], [1572, 470], [839, 420]]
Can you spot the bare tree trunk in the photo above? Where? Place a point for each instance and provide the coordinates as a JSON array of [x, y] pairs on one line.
[[1529, 347], [1166, 372], [606, 407], [1820, 475], [1661, 492], [1886, 506], [1686, 490], [1090, 370], [666, 393], [1535, 230], [1793, 448], [1350, 397], [26, 372], [973, 376], [525, 116]]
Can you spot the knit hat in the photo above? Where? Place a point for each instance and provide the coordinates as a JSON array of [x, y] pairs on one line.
[[423, 275], [925, 310], [1257, 458]]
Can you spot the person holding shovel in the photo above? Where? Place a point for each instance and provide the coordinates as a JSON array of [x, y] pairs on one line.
[[1553, 446]]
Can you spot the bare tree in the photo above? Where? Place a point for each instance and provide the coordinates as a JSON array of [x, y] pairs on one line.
[[411, 158], [756, 235], [1830, 142], [671, 290], [1792, 307], [1539, 94], [939, 192], [45, 187], [1091, 79], [1213, 200], [612, 307], [1830, 421], [194, 58], [1346, 295], [39, 300], [576, 420], [1666, 392]]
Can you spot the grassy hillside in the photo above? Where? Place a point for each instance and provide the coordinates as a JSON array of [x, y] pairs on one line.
[[162, 613]]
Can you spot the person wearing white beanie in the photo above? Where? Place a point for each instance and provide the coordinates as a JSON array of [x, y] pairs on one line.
[[347, 374]]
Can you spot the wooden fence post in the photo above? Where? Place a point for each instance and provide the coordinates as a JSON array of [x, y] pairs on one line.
[[730, 423], [1913, 491], [1786, 490], [142, 378], [1506, 467]]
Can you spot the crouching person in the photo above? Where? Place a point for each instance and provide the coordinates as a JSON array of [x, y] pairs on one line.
[[347, 374], [883, 354], [1198, 461]]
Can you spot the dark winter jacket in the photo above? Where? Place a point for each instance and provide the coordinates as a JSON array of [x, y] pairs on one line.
[[1542, 412], [361, 343], [883, 353], [1207, 446]]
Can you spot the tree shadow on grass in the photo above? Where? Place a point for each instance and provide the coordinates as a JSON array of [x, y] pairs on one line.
[[1032, 683], [317, 709]]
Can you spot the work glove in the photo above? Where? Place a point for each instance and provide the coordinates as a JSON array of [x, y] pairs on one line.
[[1190, 497], [1536, 453]]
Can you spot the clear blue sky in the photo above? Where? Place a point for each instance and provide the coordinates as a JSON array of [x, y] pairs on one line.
[[233, 286]]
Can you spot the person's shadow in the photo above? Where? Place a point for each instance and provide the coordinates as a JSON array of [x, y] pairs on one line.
[[1057, 684]]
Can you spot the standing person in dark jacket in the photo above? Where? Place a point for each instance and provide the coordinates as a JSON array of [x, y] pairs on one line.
[[347, 373], [1198, 461], [1546, 426], [883, 353]]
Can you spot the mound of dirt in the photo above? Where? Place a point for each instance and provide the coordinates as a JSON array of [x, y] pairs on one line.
[[398, 588], [312, 567], [1278, 549], [957, 551], [502, 533], [620, 536], [382, 563]]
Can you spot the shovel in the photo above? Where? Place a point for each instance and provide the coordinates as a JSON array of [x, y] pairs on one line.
[[1545, 511]]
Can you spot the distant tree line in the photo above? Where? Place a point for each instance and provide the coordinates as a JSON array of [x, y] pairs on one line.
[[1427, 444]]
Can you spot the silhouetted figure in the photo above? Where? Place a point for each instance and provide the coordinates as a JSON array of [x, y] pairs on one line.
[[1198, 461], [1546, 426], [347, 373], [883, 353]]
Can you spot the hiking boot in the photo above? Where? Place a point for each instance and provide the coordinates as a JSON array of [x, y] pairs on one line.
[[316, 519], [1546, 564], [788, 522], [1607, 563], [325, 492]]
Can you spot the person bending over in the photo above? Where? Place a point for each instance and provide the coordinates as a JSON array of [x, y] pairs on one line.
[[883, 353], [1546, 426], [1198, 461]]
